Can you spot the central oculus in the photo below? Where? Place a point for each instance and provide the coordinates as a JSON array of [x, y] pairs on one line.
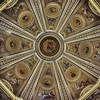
[[49, 46]]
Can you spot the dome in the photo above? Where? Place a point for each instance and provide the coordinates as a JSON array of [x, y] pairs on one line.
[[50, 49]]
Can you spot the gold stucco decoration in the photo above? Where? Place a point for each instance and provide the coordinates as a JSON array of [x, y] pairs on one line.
[[47, 82], [77, 22], [25, 18], [73, 73], [22, 70], [12, 4], [13, 44], [53, 10], [86, 49]]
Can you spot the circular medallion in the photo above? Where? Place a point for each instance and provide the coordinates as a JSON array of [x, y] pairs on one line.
[[86, 49], [49, 46], [12, 4], [25, 18], [13, 44], [53, 9], [47, 82], [22, 71], [73, 74], [77, 22]]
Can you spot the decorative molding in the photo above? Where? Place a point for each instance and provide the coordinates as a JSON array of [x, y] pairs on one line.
[[4, 4], [12, 28], [8, 92], [85, 65], [12, 59], [29, 90], [62, 86], [91, 91], [84, 35]]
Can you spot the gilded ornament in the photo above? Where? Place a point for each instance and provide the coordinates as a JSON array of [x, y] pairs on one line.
[[53, 10], [22, 70], [13, 44], [94, 10], [73, 74], [77, 22], [25, 18], [9, 86], [86, 49], [49, 46], [47, 82], [12, 4]]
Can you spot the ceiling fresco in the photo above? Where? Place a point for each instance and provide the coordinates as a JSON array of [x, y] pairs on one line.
[[49, 49]]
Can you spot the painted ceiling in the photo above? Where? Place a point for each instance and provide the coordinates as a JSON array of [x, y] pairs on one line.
[[50, 49]]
